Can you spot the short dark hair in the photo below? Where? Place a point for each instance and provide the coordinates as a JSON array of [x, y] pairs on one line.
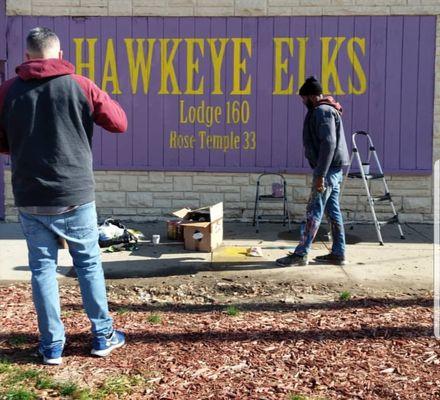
[[40, 39]]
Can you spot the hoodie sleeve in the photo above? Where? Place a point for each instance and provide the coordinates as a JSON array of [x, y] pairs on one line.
[[106, 112], [4, 145], [326, 132]]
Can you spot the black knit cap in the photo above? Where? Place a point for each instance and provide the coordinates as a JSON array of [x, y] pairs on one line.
[[311, 87]]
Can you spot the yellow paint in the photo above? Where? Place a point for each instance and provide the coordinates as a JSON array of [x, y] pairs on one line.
[[240, 66], [329, 70], [89, 65], [140, 65], [200, 114], [192, 65], [233, 253], [281, 66], [217, 62], [354, 59], [167, 63], [110, 73], [302, 61]]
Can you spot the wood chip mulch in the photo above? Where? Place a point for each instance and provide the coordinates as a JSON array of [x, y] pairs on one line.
[[360, 349]]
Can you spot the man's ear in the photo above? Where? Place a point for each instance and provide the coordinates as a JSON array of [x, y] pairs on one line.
[[60, 54], [27, 56]]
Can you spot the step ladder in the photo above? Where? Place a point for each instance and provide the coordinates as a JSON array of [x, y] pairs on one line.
[[366, 176], [281, 196]]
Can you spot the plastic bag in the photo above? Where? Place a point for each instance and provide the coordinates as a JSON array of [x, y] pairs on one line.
[[112, 232]]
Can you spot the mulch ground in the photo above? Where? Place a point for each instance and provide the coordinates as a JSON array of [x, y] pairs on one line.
[[357, 349]]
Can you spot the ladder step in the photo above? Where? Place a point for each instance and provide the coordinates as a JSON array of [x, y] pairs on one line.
[[393, 220], [269, 197], [271, 217], [358, 175], [385, 197]]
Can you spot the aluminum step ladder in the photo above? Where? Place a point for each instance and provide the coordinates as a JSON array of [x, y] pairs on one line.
[[271, 198], [366, 176]]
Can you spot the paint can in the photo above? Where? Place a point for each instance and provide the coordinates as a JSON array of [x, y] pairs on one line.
[[174, 230], [155, 239], [366, 168]]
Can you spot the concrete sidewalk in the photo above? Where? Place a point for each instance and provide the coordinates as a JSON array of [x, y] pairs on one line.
[[400, 264]]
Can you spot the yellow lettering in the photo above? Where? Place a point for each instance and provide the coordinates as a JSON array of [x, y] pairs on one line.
[[202, 136], [329, 65], [168, 72], [282, 65], [354, 59], [140, 64], [173, 140], [240, 66], [179, 141], [302, 61], [182, 117], [110, 73], [192, 66], [80, 64], [217, 62]]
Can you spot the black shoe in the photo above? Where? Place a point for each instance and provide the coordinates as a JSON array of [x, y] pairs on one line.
[[292, 259], [331, 259]]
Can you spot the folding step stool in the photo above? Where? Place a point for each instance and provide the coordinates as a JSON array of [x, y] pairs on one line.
[[271, 198], [367, 178]]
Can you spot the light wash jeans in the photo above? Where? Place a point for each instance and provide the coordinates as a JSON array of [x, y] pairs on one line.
[[328, 202], [79, 228]]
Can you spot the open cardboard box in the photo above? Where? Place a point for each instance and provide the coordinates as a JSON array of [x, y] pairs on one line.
[[202, 228]]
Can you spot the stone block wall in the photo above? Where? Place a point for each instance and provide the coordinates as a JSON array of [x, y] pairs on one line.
[[147, 196]]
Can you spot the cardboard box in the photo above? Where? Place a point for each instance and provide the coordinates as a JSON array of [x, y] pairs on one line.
[[202, 228]]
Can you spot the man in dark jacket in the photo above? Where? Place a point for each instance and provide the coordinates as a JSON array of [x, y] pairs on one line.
[[46, 125], [326, 150]]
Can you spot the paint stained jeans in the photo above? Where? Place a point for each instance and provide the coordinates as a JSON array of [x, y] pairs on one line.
[[328, 202], [79, 228]]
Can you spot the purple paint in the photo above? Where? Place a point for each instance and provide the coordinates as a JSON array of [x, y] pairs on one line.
[[397, 106], [425, 89], [2, 76], [294, 148], [376, 117], [3, 25], [408, 110], [264, 96], [280, 104]]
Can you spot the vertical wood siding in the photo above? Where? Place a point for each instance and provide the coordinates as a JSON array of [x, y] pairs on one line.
[[396, 108]]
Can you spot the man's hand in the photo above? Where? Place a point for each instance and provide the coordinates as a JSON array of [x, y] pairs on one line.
[[319, 184]]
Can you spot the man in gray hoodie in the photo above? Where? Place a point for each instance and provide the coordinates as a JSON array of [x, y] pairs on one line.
[[326, 150]]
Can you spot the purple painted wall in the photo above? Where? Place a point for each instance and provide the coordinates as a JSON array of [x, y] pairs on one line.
[[2, 76], [380, 68]]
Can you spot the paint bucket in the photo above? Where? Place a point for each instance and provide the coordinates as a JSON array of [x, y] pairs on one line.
[[366, 168], [155, 239], [277, 189], [174, 230]]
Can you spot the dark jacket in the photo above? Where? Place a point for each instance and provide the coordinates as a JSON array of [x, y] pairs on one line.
[[324, 138], [46, 125]]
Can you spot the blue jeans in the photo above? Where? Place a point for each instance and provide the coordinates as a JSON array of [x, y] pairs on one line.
[[79, 228], [328, 202]]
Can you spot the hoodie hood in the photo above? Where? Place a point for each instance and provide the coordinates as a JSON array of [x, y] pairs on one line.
[[44, 68], [330, 101]]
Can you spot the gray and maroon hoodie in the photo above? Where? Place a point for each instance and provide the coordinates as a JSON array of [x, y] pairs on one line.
[[46, 125], [323, 137]]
